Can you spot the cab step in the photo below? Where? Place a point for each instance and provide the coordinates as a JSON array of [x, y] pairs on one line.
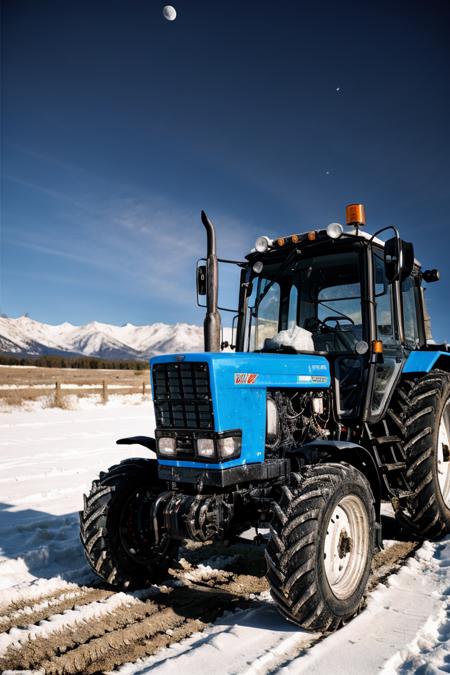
[[386, 440], [394, 466], [403, 494]]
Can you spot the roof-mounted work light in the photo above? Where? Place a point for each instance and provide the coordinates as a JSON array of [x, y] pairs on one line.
[[355, 215], [262, 244], [335, 230]]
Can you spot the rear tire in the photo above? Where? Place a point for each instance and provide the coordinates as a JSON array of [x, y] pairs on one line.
[[115, 527], [427, 440], [321, 548]]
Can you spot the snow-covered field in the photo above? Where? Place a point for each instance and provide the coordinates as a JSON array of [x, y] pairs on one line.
[[213, 615]]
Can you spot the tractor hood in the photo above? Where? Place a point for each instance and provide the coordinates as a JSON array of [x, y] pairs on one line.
[[257, 370], [239, 384]]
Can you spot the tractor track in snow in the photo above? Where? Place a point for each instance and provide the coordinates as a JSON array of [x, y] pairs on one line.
[[91, 629]]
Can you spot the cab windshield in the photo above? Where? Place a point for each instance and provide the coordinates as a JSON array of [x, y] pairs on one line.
[[319, 294]]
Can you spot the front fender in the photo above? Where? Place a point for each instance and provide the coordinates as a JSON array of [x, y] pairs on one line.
[[146, 441], [316, 452]]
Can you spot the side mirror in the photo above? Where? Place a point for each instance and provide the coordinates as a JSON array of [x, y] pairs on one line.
[[430, 276], [201, 280], [398, 259]]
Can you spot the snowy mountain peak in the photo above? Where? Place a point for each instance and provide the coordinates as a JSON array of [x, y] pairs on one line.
[[27, 336]]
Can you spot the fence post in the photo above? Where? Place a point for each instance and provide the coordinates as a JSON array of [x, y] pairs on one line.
[[105, 393], [143, 389], [57, 394]]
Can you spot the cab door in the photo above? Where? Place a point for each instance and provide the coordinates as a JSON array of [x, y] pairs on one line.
[[388, 368], [412, 313]]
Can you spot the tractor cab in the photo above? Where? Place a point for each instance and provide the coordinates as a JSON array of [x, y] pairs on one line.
[[341, 293]]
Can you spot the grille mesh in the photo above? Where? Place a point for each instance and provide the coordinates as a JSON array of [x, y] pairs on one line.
[[182, 396]]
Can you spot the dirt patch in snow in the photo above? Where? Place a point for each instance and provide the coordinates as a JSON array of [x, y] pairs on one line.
[[389, 560]]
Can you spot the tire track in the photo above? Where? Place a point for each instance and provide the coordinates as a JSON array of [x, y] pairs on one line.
[[92, 629], [74, 647], [17, 639], [56, 603], [22, 595]]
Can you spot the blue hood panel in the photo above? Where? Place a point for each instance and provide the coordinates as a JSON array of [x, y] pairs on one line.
[[238, 388]]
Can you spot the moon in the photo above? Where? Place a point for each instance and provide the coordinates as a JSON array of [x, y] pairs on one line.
[[169, 13]]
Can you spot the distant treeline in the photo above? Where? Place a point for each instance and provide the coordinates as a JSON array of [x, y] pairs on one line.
[[50, 361]]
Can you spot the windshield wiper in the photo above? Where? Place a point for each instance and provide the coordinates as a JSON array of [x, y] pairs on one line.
[[333, 309]]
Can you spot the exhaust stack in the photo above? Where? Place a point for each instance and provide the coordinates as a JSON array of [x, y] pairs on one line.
[[211, 324]]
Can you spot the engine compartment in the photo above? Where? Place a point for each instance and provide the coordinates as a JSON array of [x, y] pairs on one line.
[[295, 417]]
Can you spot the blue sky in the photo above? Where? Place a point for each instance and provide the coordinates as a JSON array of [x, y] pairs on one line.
[[118, 127]]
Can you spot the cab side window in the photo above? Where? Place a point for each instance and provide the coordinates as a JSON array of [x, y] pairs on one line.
[[386, 372], [410, 317], [293, 305], [266, 315], [383, 302]]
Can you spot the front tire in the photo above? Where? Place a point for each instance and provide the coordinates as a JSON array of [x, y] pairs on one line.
[[321, 549], [116, 529]]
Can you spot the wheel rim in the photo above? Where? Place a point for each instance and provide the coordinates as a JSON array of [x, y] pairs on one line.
[[346, 546], [442, 455]]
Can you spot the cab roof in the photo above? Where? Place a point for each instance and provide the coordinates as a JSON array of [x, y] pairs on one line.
[[305, 238]]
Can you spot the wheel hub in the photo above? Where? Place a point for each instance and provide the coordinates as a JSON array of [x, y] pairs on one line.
[[345, 544]]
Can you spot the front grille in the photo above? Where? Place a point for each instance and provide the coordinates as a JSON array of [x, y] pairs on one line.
[[182, 396]]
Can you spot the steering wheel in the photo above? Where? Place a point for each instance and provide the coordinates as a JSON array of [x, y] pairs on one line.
[[338, 319]]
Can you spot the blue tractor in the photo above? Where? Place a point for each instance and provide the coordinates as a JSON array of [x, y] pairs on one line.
[[332, 398]]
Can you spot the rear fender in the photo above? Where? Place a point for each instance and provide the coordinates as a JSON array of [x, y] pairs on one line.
[[420, 362]]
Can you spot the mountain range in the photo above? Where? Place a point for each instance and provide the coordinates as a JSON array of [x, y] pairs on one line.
[[26, 336]]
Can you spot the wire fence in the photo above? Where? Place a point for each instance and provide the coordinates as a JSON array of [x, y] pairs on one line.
[[57, 391]]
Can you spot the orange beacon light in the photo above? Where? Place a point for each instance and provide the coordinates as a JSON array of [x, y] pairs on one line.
[[355, 215]]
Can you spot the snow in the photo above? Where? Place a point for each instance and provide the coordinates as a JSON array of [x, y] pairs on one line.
[[49, 458], [100, 339]]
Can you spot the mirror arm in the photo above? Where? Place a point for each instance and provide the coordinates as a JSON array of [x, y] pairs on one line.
[[383, 229], [239, 263]]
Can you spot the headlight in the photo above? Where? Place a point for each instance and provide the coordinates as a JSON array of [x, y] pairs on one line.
[[229, 446], [259, 266], [167, 445], [335, 230], [205, 447]]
